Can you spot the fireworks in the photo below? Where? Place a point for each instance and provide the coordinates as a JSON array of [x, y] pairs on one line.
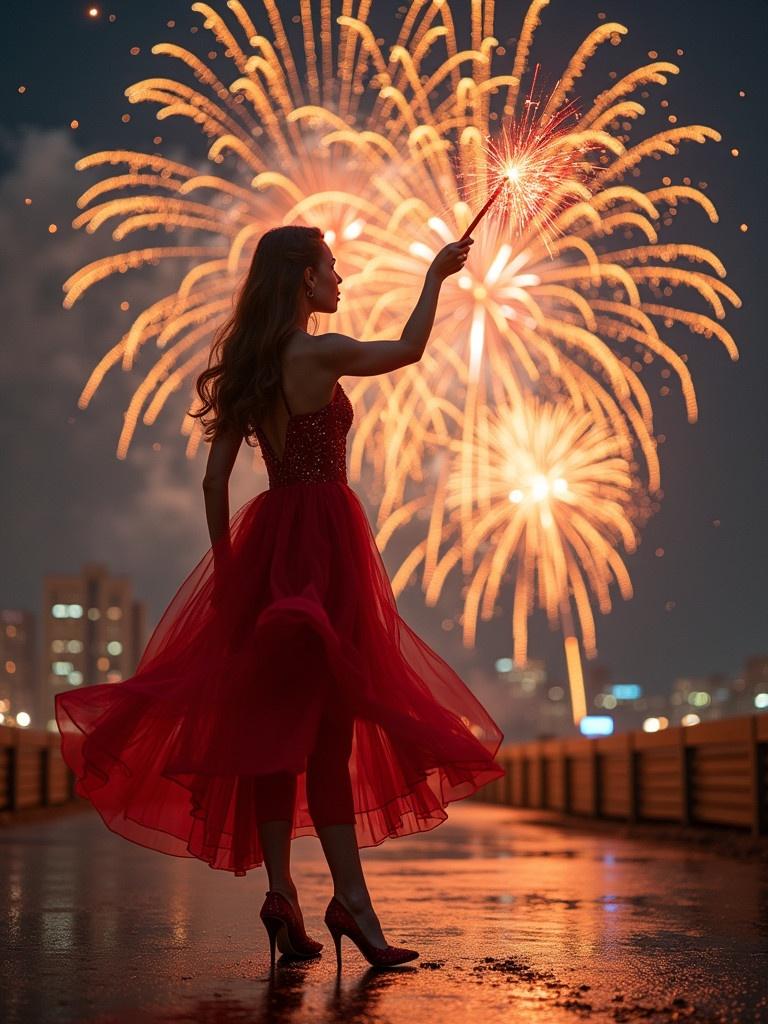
[[386, 148], [554, 497]]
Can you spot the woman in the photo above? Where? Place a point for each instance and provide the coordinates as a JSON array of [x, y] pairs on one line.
[[281, 694]]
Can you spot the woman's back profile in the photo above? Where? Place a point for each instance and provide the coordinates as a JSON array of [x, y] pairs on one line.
[[282, 694]]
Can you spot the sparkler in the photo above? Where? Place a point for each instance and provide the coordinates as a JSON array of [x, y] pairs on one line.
[[511, 175]]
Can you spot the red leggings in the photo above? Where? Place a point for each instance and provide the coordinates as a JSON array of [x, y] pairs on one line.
[[329, 789]]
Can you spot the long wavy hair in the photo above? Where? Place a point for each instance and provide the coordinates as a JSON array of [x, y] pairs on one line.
[[244, 364]]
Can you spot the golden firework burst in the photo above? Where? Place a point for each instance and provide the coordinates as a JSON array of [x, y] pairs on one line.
[[554, 498]]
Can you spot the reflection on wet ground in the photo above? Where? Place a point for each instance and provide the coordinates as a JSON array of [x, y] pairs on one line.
[[514, 921]]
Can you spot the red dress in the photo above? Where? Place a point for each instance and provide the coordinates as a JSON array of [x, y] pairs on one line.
[[297, 681]]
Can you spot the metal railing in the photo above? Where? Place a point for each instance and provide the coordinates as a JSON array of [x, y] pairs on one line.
[[713, 773]]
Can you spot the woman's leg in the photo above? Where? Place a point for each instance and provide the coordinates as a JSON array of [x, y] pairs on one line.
[[275, 801], [339, 844], [329, 797]]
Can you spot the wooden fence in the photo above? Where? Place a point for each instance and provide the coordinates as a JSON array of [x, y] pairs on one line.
[[713, 773], [32, 770]]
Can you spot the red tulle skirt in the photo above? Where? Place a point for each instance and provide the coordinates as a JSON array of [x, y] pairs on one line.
[[236, 686]]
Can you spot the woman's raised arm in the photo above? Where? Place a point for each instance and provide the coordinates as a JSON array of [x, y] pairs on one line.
[[342, 355]]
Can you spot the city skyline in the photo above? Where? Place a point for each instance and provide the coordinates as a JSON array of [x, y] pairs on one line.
[[87, 628]]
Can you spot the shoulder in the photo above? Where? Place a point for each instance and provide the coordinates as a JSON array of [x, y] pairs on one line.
[[300, 346], [330, 349], [315, 351]]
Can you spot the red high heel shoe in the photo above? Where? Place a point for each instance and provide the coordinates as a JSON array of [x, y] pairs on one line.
[[283, 927], [340, 922]]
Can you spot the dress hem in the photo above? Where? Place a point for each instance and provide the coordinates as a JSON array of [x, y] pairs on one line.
[[431, 823]]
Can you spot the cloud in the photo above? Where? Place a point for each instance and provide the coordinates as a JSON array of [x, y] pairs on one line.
[[69, 499]]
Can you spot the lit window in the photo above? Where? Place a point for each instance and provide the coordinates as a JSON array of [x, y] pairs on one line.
[[74, 646], [596, 725], [627, 691], [62, 668], [94, 614], [699, 698], [114, 613], [75, 678], [59, 611], [114, 647], [75, 611]]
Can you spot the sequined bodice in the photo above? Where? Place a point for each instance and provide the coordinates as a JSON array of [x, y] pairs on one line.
[[315, 446]]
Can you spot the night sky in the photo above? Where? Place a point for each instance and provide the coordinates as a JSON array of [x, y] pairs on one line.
[[699, 608]]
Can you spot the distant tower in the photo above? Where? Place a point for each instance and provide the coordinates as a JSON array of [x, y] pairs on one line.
[[93, 631], [18, 667]]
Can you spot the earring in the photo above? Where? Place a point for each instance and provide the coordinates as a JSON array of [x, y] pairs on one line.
[[310, 292]]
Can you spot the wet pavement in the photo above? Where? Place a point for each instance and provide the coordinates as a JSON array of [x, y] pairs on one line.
[[514, 920]]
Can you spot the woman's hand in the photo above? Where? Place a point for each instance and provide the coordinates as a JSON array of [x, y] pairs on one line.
[[450, 259]]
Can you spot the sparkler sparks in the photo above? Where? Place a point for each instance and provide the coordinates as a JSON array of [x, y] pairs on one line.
[[534, 169]]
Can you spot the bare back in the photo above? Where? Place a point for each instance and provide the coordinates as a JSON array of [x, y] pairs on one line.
[[308, 385]]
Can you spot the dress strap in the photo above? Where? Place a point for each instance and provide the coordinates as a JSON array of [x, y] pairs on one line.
[[282, 392]]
